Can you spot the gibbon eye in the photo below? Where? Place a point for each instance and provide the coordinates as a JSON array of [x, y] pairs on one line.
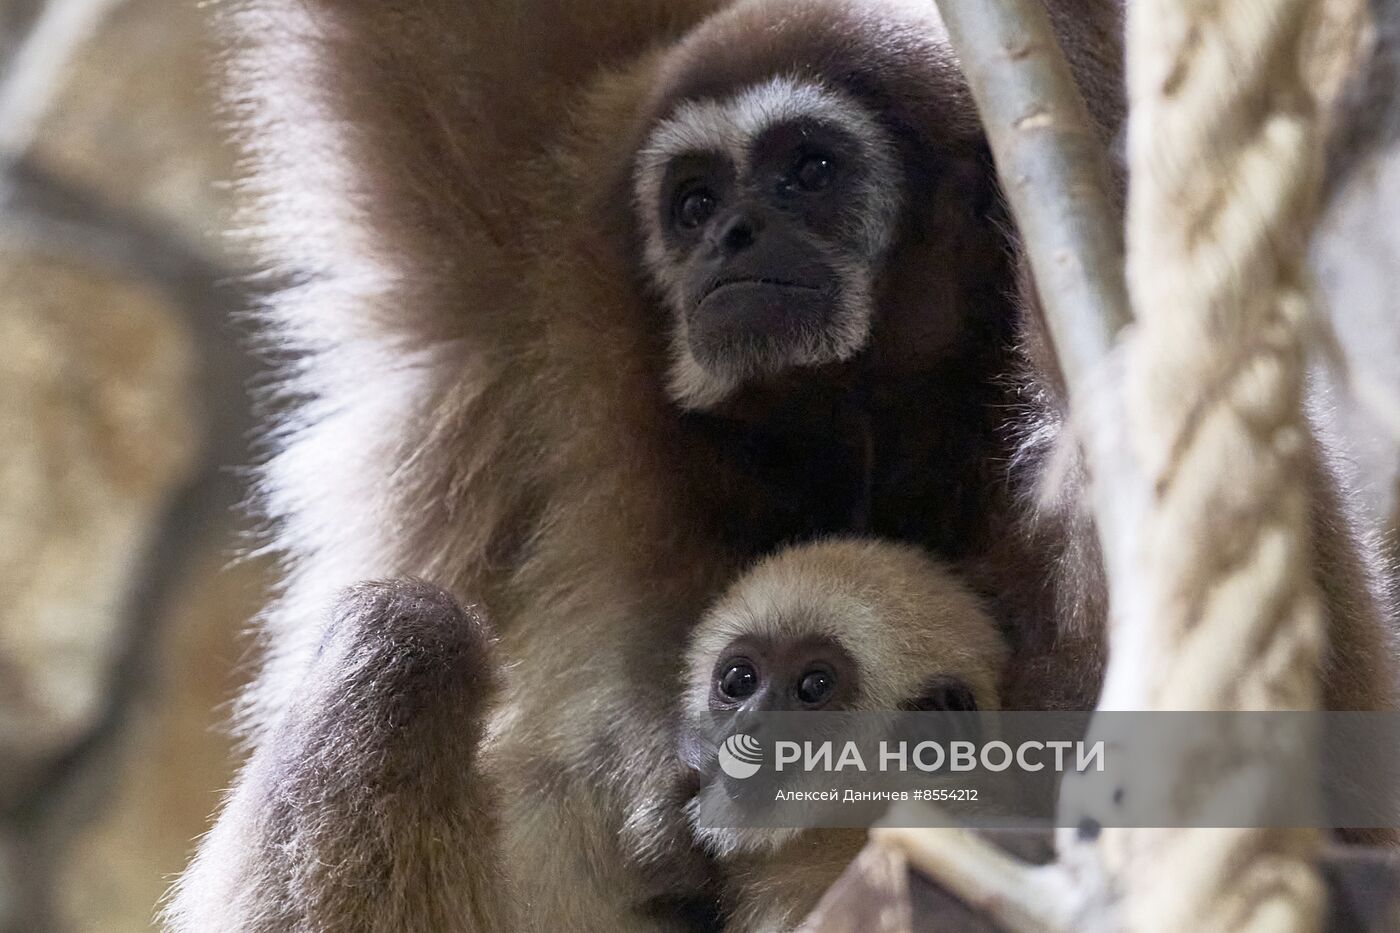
[[814, 172], [694, 206], [739, 681], [816, 686]]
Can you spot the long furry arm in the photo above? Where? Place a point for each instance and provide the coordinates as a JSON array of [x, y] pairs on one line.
[[363, 810], [386, 138]]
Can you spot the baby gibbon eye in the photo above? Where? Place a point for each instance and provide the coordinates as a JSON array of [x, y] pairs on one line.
[[694, 206], [814, 171], [739, 681], [816, 686]]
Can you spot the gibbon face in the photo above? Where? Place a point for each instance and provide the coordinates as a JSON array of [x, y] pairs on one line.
[[845, 624], [765, 215], [836, 625]]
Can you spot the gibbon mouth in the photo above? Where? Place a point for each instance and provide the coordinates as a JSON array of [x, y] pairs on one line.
[[784, 284], [742, 316]]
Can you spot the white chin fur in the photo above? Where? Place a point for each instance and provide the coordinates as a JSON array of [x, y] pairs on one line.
[[694, 386], [728, 841]]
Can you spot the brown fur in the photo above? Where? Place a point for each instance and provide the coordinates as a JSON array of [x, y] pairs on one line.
[[476, 398], [879, 601], [339, 820]]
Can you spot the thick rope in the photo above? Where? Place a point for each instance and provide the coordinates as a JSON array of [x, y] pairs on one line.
[[1217, 608], [1226, 153]]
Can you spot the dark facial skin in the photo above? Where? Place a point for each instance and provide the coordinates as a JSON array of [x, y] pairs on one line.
[[763, 254], [769, 675], [756, 674]]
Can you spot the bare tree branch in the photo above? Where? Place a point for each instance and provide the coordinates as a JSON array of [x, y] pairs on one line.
[[1055, 175], [1053, 169]]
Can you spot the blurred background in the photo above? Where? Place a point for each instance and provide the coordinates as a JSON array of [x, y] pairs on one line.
[[123, 419], [124, 423]]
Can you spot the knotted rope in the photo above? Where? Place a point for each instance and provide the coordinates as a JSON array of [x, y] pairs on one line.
[[1225, 149], [1215, 607]]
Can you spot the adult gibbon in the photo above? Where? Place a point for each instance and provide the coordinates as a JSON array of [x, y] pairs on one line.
[[595, 304]]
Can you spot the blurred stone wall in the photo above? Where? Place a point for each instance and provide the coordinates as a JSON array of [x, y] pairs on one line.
[[122, 406]]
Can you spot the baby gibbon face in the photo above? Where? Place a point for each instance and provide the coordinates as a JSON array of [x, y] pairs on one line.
[[812, 672], [844, 624], [837, 625], [766, 216]]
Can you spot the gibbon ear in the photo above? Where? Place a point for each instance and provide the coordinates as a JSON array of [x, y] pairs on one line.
[[943, 694], [948, 694]]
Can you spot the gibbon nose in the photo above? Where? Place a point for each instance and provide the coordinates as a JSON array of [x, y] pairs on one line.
[[739, 232]]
